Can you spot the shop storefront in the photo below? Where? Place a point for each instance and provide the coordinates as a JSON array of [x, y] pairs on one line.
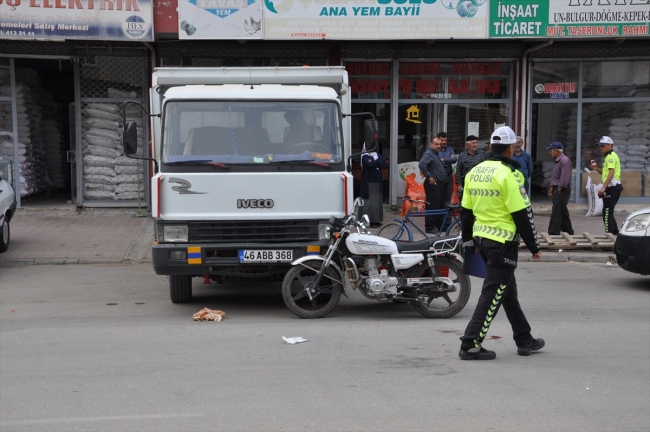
[[586, 75], [414, 100], [61, 98], [578, 102]]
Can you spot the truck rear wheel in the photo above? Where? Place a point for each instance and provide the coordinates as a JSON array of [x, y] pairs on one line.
[[180, 288]]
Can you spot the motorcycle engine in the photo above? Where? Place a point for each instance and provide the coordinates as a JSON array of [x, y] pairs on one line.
[[378, 282]]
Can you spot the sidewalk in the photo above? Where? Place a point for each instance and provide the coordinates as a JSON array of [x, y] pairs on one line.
[[61, 235]]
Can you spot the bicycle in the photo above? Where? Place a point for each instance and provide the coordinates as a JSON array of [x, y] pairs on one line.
[[400, 230]]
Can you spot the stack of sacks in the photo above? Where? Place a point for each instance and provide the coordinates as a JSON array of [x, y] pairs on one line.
[[32, 90], [108, 175], [567, 131], [542, 173], [30, 154], [638, 143], [53, 140], [101, 146], [54, 148], [631, 135]]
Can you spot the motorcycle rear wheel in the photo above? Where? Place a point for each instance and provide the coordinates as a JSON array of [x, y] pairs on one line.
[[324, 298], [442, 305]]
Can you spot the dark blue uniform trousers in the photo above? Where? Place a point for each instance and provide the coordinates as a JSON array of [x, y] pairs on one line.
[[499, 288]]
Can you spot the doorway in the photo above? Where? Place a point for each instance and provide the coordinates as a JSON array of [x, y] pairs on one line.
[[44, 90]]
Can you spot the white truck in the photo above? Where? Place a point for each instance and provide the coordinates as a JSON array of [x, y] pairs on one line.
[[251, 163]]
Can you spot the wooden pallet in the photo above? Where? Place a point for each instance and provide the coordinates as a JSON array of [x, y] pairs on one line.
[[576, 241]]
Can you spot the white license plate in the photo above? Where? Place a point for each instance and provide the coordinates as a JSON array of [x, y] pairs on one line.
[[265, 256]]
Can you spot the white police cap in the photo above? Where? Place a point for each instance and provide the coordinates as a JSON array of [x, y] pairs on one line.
[[503, 135]]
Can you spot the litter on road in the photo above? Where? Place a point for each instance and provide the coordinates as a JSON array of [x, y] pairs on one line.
[[294, 340], [206, 314]]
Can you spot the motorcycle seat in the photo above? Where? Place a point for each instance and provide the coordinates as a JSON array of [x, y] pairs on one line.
[[422, 245]]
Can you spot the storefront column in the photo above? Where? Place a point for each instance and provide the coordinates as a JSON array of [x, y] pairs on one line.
[[14, 125], [394, 96]]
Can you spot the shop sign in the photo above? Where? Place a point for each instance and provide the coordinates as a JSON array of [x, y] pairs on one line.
[[375, 19], [220, 19], [432, 87], [122, 20], [557, 90], [413, 114], [369, 79], [568, 18]]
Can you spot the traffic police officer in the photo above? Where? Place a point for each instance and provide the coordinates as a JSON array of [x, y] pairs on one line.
[[612, 187], [495, 213]]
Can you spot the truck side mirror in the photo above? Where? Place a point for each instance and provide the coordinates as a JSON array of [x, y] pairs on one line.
[[370, 134], [130, 137]]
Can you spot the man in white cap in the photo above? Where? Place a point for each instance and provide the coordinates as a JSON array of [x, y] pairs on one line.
[[612, 187], [496, 213]]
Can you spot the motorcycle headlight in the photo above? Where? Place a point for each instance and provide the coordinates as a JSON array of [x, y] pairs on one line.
[[175, 233], [638, 223], [324, 231]]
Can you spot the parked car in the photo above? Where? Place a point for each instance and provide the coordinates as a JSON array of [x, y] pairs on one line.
[[7, 202], [632, 245]]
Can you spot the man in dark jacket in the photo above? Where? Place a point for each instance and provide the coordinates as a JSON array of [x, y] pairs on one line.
[[434, 184], [466, 161]]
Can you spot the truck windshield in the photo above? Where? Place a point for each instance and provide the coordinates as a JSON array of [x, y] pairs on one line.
[[251, 132]]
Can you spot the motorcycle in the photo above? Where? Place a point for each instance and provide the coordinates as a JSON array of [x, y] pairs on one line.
[[428, 274]]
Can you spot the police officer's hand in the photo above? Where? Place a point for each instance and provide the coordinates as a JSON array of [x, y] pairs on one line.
[[538, 255]]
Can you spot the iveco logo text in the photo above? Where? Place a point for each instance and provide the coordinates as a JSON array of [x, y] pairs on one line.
[[254, 203]]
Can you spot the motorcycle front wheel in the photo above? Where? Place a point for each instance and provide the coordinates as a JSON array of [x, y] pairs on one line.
[[324, 297], [434, 304]]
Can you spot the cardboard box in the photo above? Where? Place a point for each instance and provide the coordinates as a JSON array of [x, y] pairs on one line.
[[631, 180], [631, 183]]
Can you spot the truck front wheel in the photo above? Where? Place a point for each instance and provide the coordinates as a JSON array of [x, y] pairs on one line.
[[180, 288]]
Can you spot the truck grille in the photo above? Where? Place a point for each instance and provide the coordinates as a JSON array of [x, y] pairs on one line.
[[253, 231]]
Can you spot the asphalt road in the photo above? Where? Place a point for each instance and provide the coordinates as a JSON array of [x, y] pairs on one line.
[[91, 347]]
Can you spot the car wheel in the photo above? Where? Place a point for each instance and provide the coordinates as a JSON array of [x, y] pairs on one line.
[[4, 236]]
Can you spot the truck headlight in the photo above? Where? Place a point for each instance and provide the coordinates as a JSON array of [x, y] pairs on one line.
[[638, 223], [324, 231], [175, 233]]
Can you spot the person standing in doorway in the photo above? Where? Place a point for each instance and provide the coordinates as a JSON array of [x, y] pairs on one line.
[[525, 160], [612, 187], [466, 161], [371, 187], [434, 184], [448, 159], [495, 214], [560, 190]]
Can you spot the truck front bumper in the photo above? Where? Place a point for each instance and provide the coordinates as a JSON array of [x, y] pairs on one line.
[[224, 259]]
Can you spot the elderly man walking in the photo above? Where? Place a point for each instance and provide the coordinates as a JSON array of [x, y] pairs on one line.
[[560, 190]]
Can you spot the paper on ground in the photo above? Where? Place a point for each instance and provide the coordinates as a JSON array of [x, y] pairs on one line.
[[294, 340]]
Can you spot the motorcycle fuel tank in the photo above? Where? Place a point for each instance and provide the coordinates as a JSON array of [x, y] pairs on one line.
[[368, 244]]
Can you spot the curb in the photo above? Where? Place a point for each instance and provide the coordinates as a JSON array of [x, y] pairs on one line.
[[17, 262]]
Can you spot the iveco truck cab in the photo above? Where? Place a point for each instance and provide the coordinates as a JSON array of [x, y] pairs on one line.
[[251, 165]]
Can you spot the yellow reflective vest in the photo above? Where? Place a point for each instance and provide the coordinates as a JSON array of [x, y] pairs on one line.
[[493, 190], [611, 160]]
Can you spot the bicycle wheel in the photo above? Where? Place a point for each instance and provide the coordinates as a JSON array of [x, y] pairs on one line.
[[325, 297], [393, 231], [454, 229], [447, 302]]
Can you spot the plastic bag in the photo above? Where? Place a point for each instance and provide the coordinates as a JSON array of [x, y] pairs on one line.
[[416, 192]]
